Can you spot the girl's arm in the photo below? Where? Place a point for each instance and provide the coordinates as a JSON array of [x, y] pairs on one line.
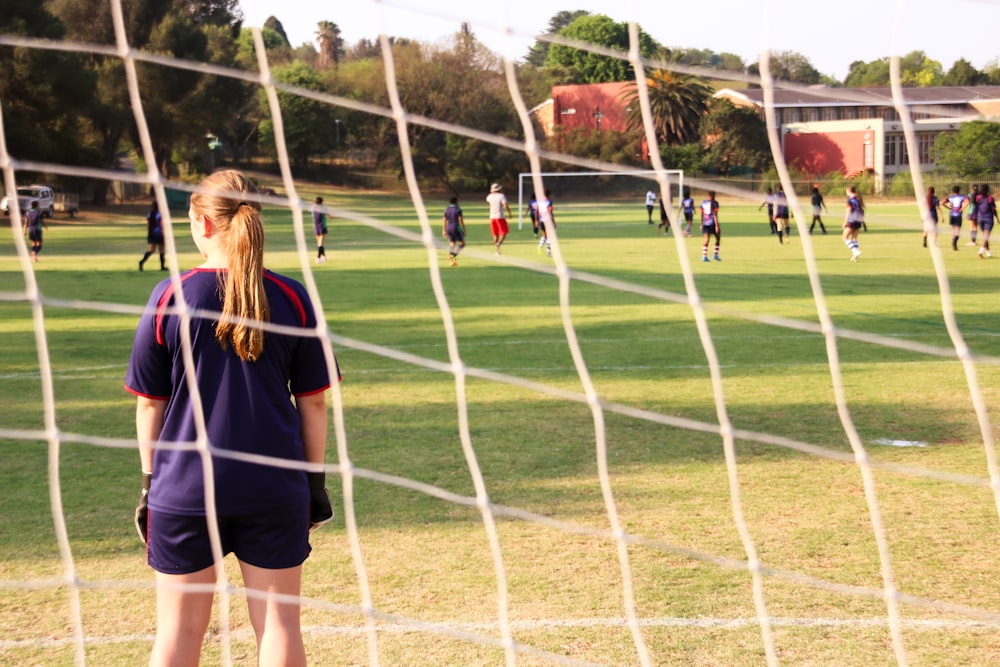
[[148, 424], [312, 412]]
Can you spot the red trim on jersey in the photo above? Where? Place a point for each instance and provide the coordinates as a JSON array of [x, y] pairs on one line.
[[151, 396], [290, 293], [162, 304]]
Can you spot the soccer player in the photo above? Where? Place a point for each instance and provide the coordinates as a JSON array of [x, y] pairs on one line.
[[154, 235], [453, 229], [769, 203], [532, 208], [973, 219], [853, 220], [498, 223], [781, 214], [263, 395], [710, 226], [986, 214], [955, 203], [650, 203], [543, 214], [33, 223], [319, 229], [687, 205], [818, 206], [664, 219], [934, 206]]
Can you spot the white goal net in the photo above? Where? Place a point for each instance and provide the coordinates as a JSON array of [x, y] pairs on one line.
[[604, 458]]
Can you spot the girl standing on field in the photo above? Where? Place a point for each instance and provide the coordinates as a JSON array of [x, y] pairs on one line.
[[853, 220], [154, 235], [263, 395]]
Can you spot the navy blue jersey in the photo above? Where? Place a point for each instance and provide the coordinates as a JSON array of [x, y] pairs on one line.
[[248, 405], [451, 216]]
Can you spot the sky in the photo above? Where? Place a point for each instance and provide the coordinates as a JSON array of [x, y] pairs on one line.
[[830, 40]]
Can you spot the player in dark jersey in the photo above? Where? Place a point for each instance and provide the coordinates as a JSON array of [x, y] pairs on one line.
[[453, 229], [33, 223], [854, 219], [154, 235], [934, 208], [319, 229], [955, 203], [710, 226], [260, 394]]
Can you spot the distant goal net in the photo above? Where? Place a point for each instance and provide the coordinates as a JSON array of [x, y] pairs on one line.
[[584, 188]]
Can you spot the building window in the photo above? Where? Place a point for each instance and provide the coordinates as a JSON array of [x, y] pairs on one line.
[[791, 115], [829, 113], [895, 150], [810, 114], [925, 143], [849, 113]]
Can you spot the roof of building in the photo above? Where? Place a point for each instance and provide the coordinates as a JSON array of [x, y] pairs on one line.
[[819, 96]]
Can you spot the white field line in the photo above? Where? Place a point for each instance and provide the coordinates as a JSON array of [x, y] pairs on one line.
[[913, 624]]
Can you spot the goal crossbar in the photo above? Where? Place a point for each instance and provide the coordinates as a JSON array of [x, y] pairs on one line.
[[651, 174]]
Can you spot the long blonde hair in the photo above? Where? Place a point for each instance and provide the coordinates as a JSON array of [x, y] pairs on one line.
[[228, 199]]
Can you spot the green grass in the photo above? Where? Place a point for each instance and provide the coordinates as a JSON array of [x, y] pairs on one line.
[[429, 561]]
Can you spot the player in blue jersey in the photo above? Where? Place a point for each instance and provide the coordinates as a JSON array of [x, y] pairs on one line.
[[33, 223], [453, 229], [972, 216], [769, 203], [687, 206], [955, 203], [854, 219], [154, 236], [781, 215], [986, 215], [819, 205], [262, 394], [710, 226], [319, 229]]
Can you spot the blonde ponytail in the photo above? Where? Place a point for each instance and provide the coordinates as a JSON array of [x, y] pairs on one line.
[[228, 201]]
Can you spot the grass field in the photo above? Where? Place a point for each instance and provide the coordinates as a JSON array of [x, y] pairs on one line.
[[428, 561]]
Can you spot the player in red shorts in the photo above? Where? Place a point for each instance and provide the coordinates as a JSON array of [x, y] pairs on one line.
[[498, 221]]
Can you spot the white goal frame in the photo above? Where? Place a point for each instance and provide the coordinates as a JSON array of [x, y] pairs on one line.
[[652, 174]]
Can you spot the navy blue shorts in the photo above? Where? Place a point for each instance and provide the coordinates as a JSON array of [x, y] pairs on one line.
[[986, 226], [179, 544]]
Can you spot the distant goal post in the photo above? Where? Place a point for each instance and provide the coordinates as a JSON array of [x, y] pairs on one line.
[[650, 179]]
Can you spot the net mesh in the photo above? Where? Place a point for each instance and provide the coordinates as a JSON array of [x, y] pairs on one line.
[[504, 631]]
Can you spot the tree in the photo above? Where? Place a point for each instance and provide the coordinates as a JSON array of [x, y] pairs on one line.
[[972, 150], [274, 25], [310, 125], [599, 30], [331, 44], [539, 51], [962, 73], [734, 137], [789, 66], [915, 69], [38, 88], [710, 59], [677, 103]]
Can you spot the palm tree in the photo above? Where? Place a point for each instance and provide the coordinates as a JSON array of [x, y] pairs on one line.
[[331, 44], [677, 102]]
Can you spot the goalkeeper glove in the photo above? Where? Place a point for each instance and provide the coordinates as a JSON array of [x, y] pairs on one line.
[[320, 510], [142, 511]]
